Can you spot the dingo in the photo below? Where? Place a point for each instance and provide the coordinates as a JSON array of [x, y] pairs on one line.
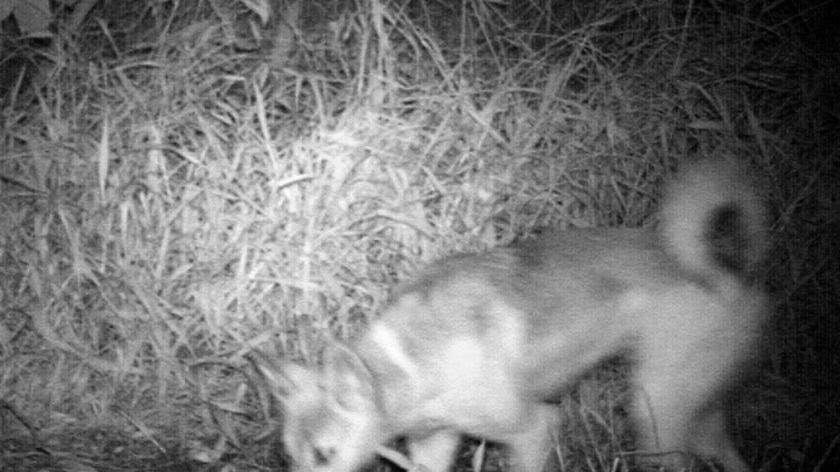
[[479, 344]]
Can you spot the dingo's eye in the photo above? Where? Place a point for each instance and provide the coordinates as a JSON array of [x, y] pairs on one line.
[[323, 455]]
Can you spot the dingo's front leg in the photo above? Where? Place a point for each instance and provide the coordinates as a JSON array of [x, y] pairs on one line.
[[531, 449], [434, 452]]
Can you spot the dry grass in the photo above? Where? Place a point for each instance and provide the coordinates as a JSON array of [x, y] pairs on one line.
[[180, 186]]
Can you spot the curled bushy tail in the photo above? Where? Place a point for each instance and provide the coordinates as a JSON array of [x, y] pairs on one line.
[[713, 220]]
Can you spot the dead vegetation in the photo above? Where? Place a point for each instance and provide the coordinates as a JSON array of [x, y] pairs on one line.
[[182, 182]]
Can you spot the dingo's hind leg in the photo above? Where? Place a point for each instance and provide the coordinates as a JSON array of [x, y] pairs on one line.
[[710, 438], [677, 410]]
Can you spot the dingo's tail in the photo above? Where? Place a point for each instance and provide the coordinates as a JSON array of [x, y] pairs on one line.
[[712, 220]]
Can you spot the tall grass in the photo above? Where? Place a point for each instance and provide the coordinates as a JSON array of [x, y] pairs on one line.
[[183, 183]]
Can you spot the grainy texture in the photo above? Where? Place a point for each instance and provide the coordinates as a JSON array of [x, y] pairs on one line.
[[184, 182]]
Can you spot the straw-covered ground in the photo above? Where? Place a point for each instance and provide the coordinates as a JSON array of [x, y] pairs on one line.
[[184, 182]]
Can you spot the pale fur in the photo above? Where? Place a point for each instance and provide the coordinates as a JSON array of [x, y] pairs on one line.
[[482, 344]]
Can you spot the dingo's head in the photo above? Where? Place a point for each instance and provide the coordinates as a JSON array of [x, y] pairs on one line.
[[331, 418]]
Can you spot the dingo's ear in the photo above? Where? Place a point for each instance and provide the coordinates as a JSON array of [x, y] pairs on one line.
[[348, 379], [284, 380]]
